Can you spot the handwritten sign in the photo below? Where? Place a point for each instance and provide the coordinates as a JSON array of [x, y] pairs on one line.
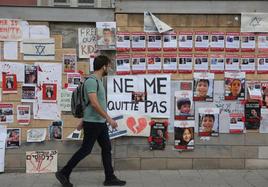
[[87, 41], [10, 30]]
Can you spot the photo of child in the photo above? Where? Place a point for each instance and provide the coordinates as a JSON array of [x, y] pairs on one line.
[[184, 105], [203, 86], [234, 86], [184, 135], [208, 122]]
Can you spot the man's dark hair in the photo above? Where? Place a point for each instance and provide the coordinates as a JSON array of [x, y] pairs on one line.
[[100, 61]]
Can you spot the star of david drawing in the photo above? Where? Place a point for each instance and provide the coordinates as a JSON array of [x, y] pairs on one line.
[[40, 49]]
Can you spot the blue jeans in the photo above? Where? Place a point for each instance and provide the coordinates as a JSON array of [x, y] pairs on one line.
[[92, 132]]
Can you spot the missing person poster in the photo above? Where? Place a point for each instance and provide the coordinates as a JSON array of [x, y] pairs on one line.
[[184, 135], [23, 114], [263, 42], [208, 124], [248, 63], [236, 123], [201, 41], [30, 75], [200, 62], [49, 93], [138, 63], [185, 63], [123, 64], [6, 113], [13, 139], [203, 86], [139, 95], [185, 41], [262, 64], [158, 135], [43, 161], [217, 40], [122, 41], [55, 130], [138, 42], [234, 86], [69, 63], [154, 63], [217, 63], [73, 80], [28, 93], [232, 62], [252, 115], [232, 42], [254, 90], [106, 35], [3, 136], [65, 100], [170, 41], [9, 83], [154, 41], [170, 63], [248, 42], [184, 105]]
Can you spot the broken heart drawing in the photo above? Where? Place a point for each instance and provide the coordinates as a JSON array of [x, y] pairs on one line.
[[138, 126]]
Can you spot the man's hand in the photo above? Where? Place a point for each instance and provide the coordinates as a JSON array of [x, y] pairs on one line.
[[112, 122], [80, 126]]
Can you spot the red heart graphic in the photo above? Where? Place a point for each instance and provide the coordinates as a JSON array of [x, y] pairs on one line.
[[134, 127]]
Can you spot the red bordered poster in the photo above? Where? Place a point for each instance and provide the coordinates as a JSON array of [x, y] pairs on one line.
[[49, 93], [208, 124], [200, 62], [154, 63], [138, 42], [236, 123], [170, 41], [232, 42], [154, 41], [217, 40], [9, 83], [232, 62], [122, 64], [248, 42], [185, 41], [217, 63], [201, 41], [138, 63], [185, 64], [170, 63], [263, 42], [248, 63], [262, 63], [122, 41]]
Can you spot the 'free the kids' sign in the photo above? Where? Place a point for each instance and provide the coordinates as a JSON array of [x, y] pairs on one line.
[[139, 95]]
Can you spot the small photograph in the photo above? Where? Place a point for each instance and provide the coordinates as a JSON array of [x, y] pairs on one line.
[[9, 82], [13, 138], [198, 39], [126, 37], [135, 61], [166, 60], [245, 39], [30, 74], [182, 38], [120, 38], [230, 39], [214, 39], [158, 135], [166, 38], [49, 93], [205, 37], [261, 61], [138, 97], [252, 115], [151, 38], [56, 130], [69, 63], [135, 38], [198, 61]]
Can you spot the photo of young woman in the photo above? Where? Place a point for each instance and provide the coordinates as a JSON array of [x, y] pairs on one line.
[[184, 134]]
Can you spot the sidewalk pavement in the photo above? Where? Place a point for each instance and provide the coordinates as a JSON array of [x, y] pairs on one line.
[[146, 178]]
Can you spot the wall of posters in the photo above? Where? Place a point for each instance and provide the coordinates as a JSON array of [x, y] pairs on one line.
[[43, 161]]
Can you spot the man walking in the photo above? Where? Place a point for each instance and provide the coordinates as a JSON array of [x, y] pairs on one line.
[[94, 125]]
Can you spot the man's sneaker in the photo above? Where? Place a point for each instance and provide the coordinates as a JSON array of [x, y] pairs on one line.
[[63, 179], [114, 182]]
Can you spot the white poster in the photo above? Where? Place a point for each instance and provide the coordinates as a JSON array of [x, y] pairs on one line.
[[217, 63], [248, 42], [87, 41], [138, 63], [232, 62], [23, 114], [254, 22], [65, 100], [119, 131], [74, 80], [3, 136], [201, 62], [39, 32], [139, 95], [122, 41], [106, 35], [236, 123], [43, 161], [122, 64], [185, 41], [170, 41], [232, 42], [36, 135], [6, 113], [203, 86], [154, 42], [138, 42], [263, 42], [248, 63], [208, 122], [13, 68], [184, 105], [48, 73], [39, 49], [10, 50], [262, 63], [201, 41], [185, 63], [217, 40], [154, 63], [170, 63], [10, 30], [264, 121]]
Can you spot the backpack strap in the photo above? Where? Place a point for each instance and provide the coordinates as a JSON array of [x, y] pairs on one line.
[[83, 91]]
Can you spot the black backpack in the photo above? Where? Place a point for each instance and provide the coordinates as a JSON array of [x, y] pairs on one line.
[[78, 102]]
